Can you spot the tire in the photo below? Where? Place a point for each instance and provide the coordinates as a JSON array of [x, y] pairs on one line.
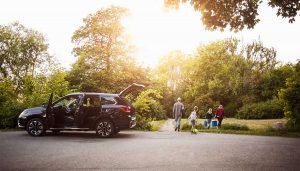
[[35, 127], [105, 128]]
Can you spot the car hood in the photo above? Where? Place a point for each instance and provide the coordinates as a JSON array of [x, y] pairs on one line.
[[33, 111]]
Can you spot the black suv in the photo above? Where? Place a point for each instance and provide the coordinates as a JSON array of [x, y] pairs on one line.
[[105, 113]]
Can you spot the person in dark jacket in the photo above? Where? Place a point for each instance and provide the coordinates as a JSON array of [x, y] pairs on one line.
[[219, 115], [209, 115], [177, 113]]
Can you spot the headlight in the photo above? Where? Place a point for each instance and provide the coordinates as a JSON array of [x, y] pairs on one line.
[[24, 114]]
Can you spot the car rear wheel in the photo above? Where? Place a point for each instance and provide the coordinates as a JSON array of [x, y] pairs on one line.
[[105, 128], [35, 127]]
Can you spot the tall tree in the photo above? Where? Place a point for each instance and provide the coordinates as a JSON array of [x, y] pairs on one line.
[[236, 14], [22, 51], [170, 77], [103, 50]]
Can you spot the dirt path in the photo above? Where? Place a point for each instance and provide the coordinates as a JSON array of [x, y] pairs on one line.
[[168, 126]]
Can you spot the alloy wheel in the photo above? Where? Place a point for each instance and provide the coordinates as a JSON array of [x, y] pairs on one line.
[[104, 128], [35, 127]]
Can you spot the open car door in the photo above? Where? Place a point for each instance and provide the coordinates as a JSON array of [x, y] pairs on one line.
[[49, 116], [48, 109], [131, 89]]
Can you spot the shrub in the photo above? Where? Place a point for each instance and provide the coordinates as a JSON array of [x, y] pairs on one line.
[[231, 109], [188, 126], [263, 110], [143, 123], [235, 127], [9, 114], [290, 96]]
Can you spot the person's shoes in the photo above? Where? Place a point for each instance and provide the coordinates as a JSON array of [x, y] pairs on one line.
[[176, 129]]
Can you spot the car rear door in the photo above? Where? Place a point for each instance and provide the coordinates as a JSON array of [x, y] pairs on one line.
[[130, 89]]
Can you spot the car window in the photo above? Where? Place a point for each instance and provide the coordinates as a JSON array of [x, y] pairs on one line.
[[106, 100], [92, 101], [68, 101]]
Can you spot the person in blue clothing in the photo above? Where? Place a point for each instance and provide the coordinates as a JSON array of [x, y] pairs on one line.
[[177, 113]]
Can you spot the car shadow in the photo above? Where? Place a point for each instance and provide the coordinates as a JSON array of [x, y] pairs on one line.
[[88, 135]]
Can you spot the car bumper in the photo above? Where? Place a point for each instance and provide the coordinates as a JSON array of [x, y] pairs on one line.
[[21, 123], [132, 122]]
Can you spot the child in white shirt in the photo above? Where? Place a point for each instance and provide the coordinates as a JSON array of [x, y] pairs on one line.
[[193, 118]]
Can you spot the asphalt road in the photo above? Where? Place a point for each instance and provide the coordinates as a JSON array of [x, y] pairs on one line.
[[132, 150]]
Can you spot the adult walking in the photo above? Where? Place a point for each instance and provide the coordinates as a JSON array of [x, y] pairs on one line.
[[177, 113], [220, 115]]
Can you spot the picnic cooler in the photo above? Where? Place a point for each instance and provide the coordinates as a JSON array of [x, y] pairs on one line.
[[214, 123]]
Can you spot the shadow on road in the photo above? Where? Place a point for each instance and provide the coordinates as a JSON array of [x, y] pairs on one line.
[[82, 135]]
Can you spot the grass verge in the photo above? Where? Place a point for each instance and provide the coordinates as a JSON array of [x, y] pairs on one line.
[[246, 127]]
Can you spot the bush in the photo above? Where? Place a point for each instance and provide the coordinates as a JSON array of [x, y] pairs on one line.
[[231, 109], [148, 105], [188, 126], [235, 127], [271, 109], [290, 96], [143, 123], [9, 114]]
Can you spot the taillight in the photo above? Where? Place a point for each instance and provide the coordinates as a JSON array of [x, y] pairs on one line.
[[125, 108]]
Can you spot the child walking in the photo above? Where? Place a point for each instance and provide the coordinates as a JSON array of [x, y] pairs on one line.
[[193, 118]]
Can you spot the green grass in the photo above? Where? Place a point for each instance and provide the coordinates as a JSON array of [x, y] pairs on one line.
[[156, 125], [238, 126], [252, 124]]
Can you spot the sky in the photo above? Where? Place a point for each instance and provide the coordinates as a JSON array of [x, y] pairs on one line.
[[153, 29]]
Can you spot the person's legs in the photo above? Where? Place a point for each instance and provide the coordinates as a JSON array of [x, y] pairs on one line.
[[220, 122], [178, 123], [193, 122], [208, 123], [176, 118]]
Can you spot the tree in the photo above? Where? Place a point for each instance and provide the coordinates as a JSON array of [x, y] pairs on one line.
[[231, 74], [170, 78], [22, 51], [237, 14], [272, 81], [290, 96], [103, 50]]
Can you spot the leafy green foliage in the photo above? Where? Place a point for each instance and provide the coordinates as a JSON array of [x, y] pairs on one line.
[[236, 14], [270, 109], [290, 96], [148, 108], [104, 63], [28, 73], [22, 51], [148, 105]]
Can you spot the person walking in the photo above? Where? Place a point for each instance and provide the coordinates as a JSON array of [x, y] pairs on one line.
[[193, 118], [209, 115], [220, 115], [177, 113]]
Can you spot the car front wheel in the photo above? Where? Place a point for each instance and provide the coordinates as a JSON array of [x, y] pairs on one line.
[[104, 128], [35, 127]]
